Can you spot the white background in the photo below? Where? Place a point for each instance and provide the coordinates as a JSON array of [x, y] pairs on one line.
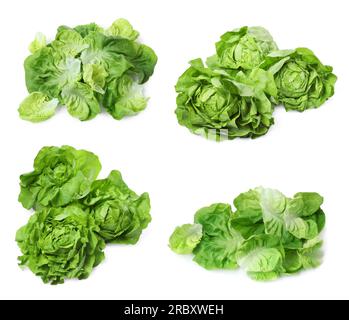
[[182, 172]]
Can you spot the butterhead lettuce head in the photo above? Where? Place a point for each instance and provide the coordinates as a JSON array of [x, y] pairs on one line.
[[303, 82], [215, 105], [75, 214], [60, 243], [232, 97]]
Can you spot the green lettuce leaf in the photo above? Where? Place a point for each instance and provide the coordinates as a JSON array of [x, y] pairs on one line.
[[185, 238], [122, 28], [95, 76], [273, 204], [86, 29], [38, 43], [123, 97], [80, 101], [69, 42], [262, 257], [37, 107], [292, 262], [47, 71], [119, 55], [220, 240], [311, 253]]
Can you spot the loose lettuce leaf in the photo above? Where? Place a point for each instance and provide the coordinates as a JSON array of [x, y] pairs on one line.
[[220, 240], [59, 244], [261, 256], [307, 203], [311, 253], [297, 217], [292, 262], [122, 28], [69, 42], [80, 101], [38, 43], [273, 204], [60, 176], [303, 82], [37, 107], [185, 238], [248, 207], [95, 76], [119, 55], [213, 104], [48, 71], [109, 52], [124, 98]]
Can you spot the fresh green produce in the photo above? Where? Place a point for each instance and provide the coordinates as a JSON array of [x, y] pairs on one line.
[[243, 48], [84, 68], [76, 215], [268, 235], [235, 94], [213, 104], [60, 176], [120, 213], [60, 243], [37, 107], [303, 81]]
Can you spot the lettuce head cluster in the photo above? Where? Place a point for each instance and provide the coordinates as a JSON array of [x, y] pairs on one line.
[[87, 67], [268, 235], [75, 214], [235, 94]]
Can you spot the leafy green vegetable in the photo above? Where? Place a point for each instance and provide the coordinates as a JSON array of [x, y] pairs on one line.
[[80, 101], [37, 107], [85, 67], [268, 235], [303, 81], [220, 241], [212, 104], [76, 215], [60, 176], [120, 213], [261, 256], [124, 97], [38, 43], [48, 71], [185, 238], [60, 243], [95, 76], [122, 28], [243, 48], [232, 97]]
